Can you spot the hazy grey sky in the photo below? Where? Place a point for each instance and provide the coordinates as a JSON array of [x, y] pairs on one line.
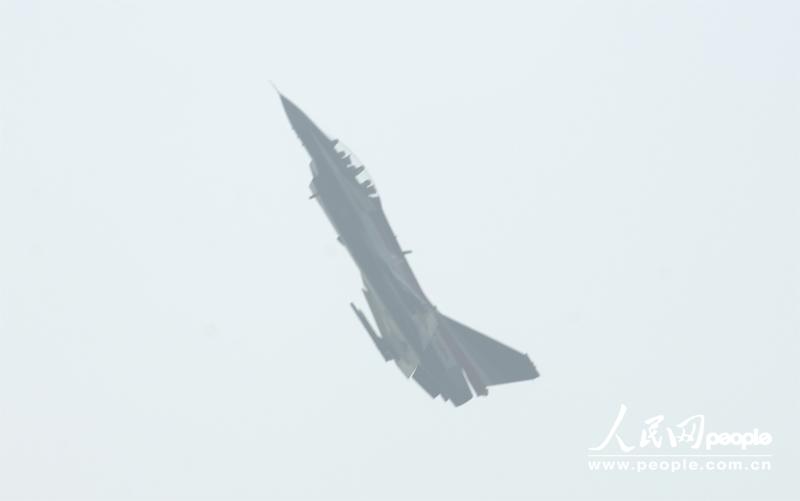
[[611, 187]]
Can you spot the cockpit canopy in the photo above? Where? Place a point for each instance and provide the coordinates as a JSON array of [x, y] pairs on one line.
[[356, 168]]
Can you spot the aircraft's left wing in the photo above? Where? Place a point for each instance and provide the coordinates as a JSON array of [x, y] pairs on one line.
[[380, 343]]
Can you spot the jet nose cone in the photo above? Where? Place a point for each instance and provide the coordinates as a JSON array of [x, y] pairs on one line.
[[305, 128], [296, 117]]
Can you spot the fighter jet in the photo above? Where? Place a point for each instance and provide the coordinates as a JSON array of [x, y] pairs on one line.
[[444, 356]]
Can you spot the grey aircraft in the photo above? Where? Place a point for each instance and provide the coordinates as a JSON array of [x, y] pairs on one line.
[[444, 356]]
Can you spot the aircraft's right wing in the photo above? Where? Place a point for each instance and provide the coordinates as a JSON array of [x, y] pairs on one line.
[[496, 362]]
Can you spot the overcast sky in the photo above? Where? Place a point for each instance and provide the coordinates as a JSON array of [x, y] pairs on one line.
[[610, 187]]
